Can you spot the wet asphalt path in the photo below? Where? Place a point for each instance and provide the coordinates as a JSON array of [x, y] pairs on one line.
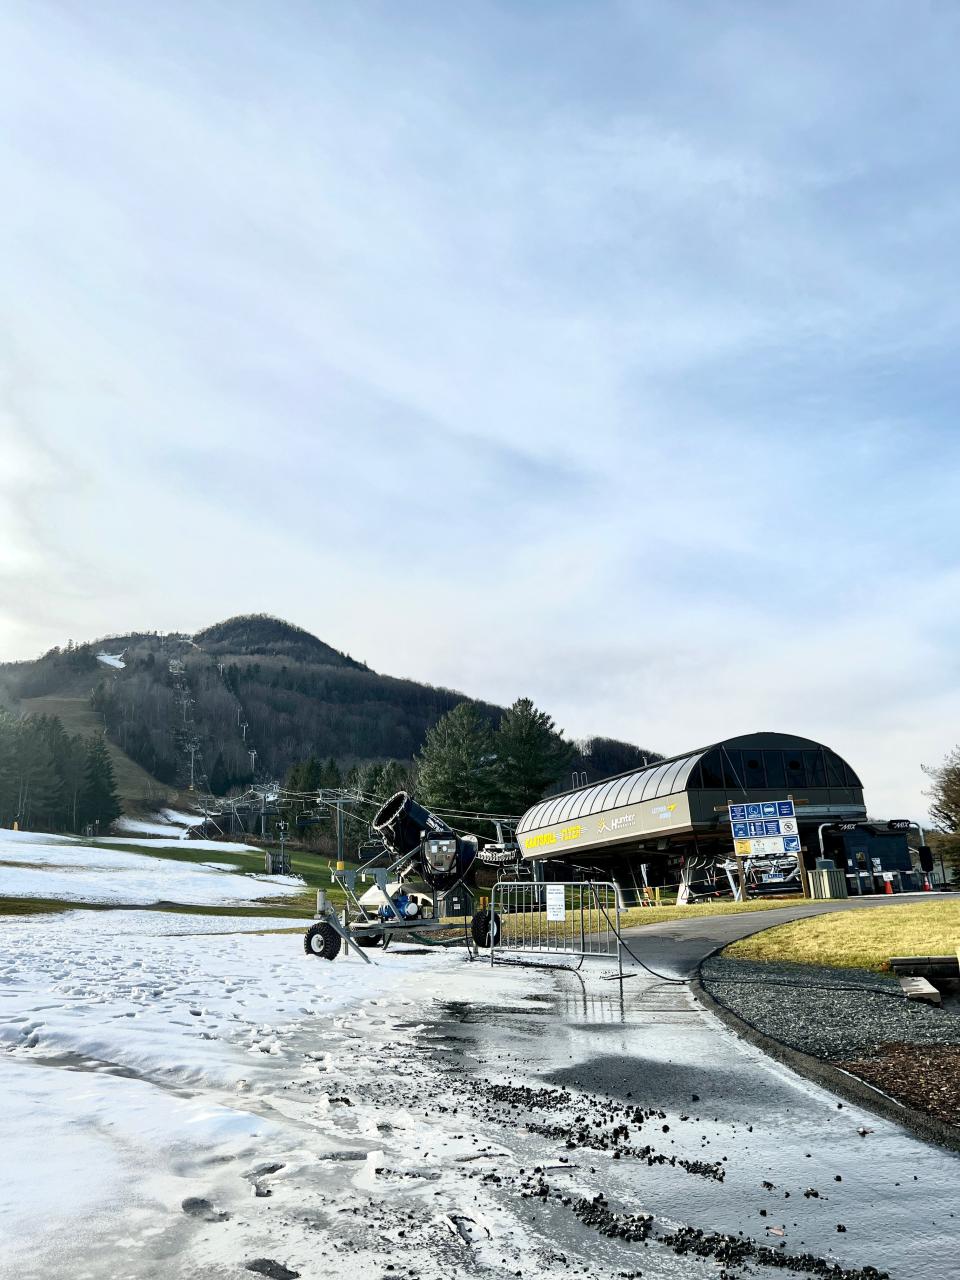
[[677, 947], [798, 1173]]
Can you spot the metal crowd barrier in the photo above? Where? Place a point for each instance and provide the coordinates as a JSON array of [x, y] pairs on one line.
[[570, 921]]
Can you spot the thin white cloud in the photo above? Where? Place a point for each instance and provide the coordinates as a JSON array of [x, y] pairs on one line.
[[621, 347]]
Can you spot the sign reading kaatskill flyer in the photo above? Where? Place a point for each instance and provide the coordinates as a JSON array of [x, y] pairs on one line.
[[555, 903], [764, 829]]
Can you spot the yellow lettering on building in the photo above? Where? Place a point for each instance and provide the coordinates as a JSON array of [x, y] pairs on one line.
[[545, 837]]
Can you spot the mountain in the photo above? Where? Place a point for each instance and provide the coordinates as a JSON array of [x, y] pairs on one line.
[[258, 633], [242, 699]]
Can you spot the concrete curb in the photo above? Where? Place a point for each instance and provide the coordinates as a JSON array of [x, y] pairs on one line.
[[851, 1088]]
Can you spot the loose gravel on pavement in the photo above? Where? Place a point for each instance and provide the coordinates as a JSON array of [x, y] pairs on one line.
[[812, 1007]]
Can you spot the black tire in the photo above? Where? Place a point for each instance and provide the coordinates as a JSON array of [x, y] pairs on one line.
[[369, 939], [322, 940], [482, 927]]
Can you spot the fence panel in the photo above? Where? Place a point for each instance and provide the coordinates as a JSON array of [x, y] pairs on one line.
[[570, 920]]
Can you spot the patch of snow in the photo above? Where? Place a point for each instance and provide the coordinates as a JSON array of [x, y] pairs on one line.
[[162, 1060], [163, 823], [78, 872], [170, 841], [179, 818], [102, 1135], [190, 999], [112, 660], [143, 827]]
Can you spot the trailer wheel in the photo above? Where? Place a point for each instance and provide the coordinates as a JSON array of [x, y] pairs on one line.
[[370, 939], [323, 941], [485, 929]]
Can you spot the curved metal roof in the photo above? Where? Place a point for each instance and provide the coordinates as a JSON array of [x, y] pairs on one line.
[[656, 781], [665, 778]]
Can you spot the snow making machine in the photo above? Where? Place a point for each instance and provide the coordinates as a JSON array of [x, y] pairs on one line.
[[421, 847]]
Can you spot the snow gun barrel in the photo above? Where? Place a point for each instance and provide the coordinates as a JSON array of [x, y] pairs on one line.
[[442, 857], [404, 824]]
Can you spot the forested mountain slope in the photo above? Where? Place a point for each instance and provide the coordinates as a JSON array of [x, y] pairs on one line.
[[246, 698]]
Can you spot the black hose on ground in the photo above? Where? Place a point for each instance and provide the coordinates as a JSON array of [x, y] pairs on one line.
[[755, 982]]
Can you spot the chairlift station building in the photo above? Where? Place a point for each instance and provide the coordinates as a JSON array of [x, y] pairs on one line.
[[665, 813]]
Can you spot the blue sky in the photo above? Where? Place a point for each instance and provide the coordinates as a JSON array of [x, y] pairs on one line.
[[600, 352]]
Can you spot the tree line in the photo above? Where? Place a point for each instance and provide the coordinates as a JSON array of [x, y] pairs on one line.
[[54, 781], [470, 764], [944, 795]]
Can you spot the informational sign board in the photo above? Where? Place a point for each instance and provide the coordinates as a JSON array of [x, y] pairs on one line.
[[556, 909], [765, 829]]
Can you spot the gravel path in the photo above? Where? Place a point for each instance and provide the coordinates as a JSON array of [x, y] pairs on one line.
[[813, 1009]]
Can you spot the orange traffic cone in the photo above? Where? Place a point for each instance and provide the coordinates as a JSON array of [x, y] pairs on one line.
[[888, 886]]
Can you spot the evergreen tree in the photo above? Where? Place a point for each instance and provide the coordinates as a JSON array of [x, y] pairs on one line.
[[394, 777], [37, 783], [219, 778], [100, 803], [531, 755], [307, 775], [457, 763], [8, 790], [51, 730], [73, 773], [330, 775]]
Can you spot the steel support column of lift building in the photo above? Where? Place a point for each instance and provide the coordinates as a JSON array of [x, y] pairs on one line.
[[650, 822]]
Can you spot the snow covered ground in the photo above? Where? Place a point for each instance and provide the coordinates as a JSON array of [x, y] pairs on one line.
[[186, 1097], [71, 870], [149, 1061], [166, 822], [114, 660]]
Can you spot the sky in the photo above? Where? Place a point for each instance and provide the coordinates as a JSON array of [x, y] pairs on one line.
[[603, 353]]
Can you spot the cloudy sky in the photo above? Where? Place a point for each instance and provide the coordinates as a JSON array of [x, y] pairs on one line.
[[601, 352]]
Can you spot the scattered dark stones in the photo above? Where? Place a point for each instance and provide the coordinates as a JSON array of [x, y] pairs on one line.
[[272, 1270], [738, 1250], [601, 1125], [595, 1213], [865, 1013], [197, 1207]]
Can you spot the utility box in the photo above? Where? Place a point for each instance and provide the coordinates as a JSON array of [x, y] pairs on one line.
[[458, 902], [827, 882]]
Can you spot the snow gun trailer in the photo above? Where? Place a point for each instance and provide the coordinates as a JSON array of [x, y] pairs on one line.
[[362, 925], [423, 846]]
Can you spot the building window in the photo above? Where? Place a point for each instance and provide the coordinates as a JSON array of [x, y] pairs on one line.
[[813, 763], [796, 774], [776, 775], [710, 771], [733, 778], [754, 774]]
